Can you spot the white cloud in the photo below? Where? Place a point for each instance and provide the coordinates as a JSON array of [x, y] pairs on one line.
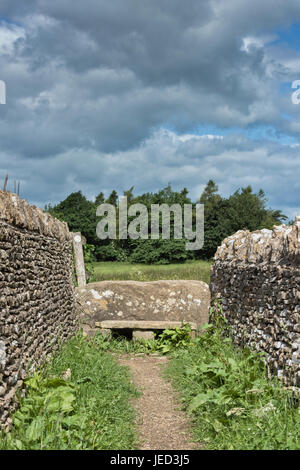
[[9, 34], [233, 162], [256, 42]]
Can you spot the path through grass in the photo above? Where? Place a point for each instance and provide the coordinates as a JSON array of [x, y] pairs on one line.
[[83, 398], [162, 425]]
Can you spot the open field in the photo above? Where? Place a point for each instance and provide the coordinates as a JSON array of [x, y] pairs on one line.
[[111, 271]]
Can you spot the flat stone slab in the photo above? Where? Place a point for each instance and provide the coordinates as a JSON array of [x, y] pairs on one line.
[[141, 325], [162, 301]]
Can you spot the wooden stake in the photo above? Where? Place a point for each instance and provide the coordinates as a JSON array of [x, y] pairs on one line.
[[5, 183]]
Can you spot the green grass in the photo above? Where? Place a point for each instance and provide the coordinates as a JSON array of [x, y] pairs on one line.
[[164, 342], [232, 403], [111, 271], [91, 410], [225, 390]]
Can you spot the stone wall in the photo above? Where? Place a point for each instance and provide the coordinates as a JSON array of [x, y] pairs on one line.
[[187, 301], [257, 276], [36, 292]]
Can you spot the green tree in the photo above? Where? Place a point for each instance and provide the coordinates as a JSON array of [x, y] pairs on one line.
[[247, 211], [80, 215], [159, 251], [243, 210], [222, 217], [112, 198], [214, 229], [99, 199]]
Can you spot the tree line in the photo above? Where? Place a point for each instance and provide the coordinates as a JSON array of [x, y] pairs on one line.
[[243, 210]]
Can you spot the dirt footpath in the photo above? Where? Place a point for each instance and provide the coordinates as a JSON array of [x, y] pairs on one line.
[[161, 423]]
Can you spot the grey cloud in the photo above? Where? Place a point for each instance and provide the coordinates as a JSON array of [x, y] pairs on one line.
[[183, 65], [91, 83], [233, 162]]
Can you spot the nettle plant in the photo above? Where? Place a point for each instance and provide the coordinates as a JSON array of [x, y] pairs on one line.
[[171, 339]]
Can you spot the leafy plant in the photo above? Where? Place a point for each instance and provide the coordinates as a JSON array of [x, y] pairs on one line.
[[48, 402], [164, 343], [176, 338], [79, 401], [88, 256], [226, 391]]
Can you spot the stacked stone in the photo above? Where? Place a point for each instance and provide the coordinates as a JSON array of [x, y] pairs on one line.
[[256, 276], [36, 292]]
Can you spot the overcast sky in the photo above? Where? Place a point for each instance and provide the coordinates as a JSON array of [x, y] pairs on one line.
[[109, 94]]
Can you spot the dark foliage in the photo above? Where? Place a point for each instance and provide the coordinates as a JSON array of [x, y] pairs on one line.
[[223, 216]]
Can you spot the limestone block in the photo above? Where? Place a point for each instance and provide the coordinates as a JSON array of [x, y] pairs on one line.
[[142, 334], [178, 301]]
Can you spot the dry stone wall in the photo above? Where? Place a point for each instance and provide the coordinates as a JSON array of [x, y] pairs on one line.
[[36, 292], [257, 277]]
